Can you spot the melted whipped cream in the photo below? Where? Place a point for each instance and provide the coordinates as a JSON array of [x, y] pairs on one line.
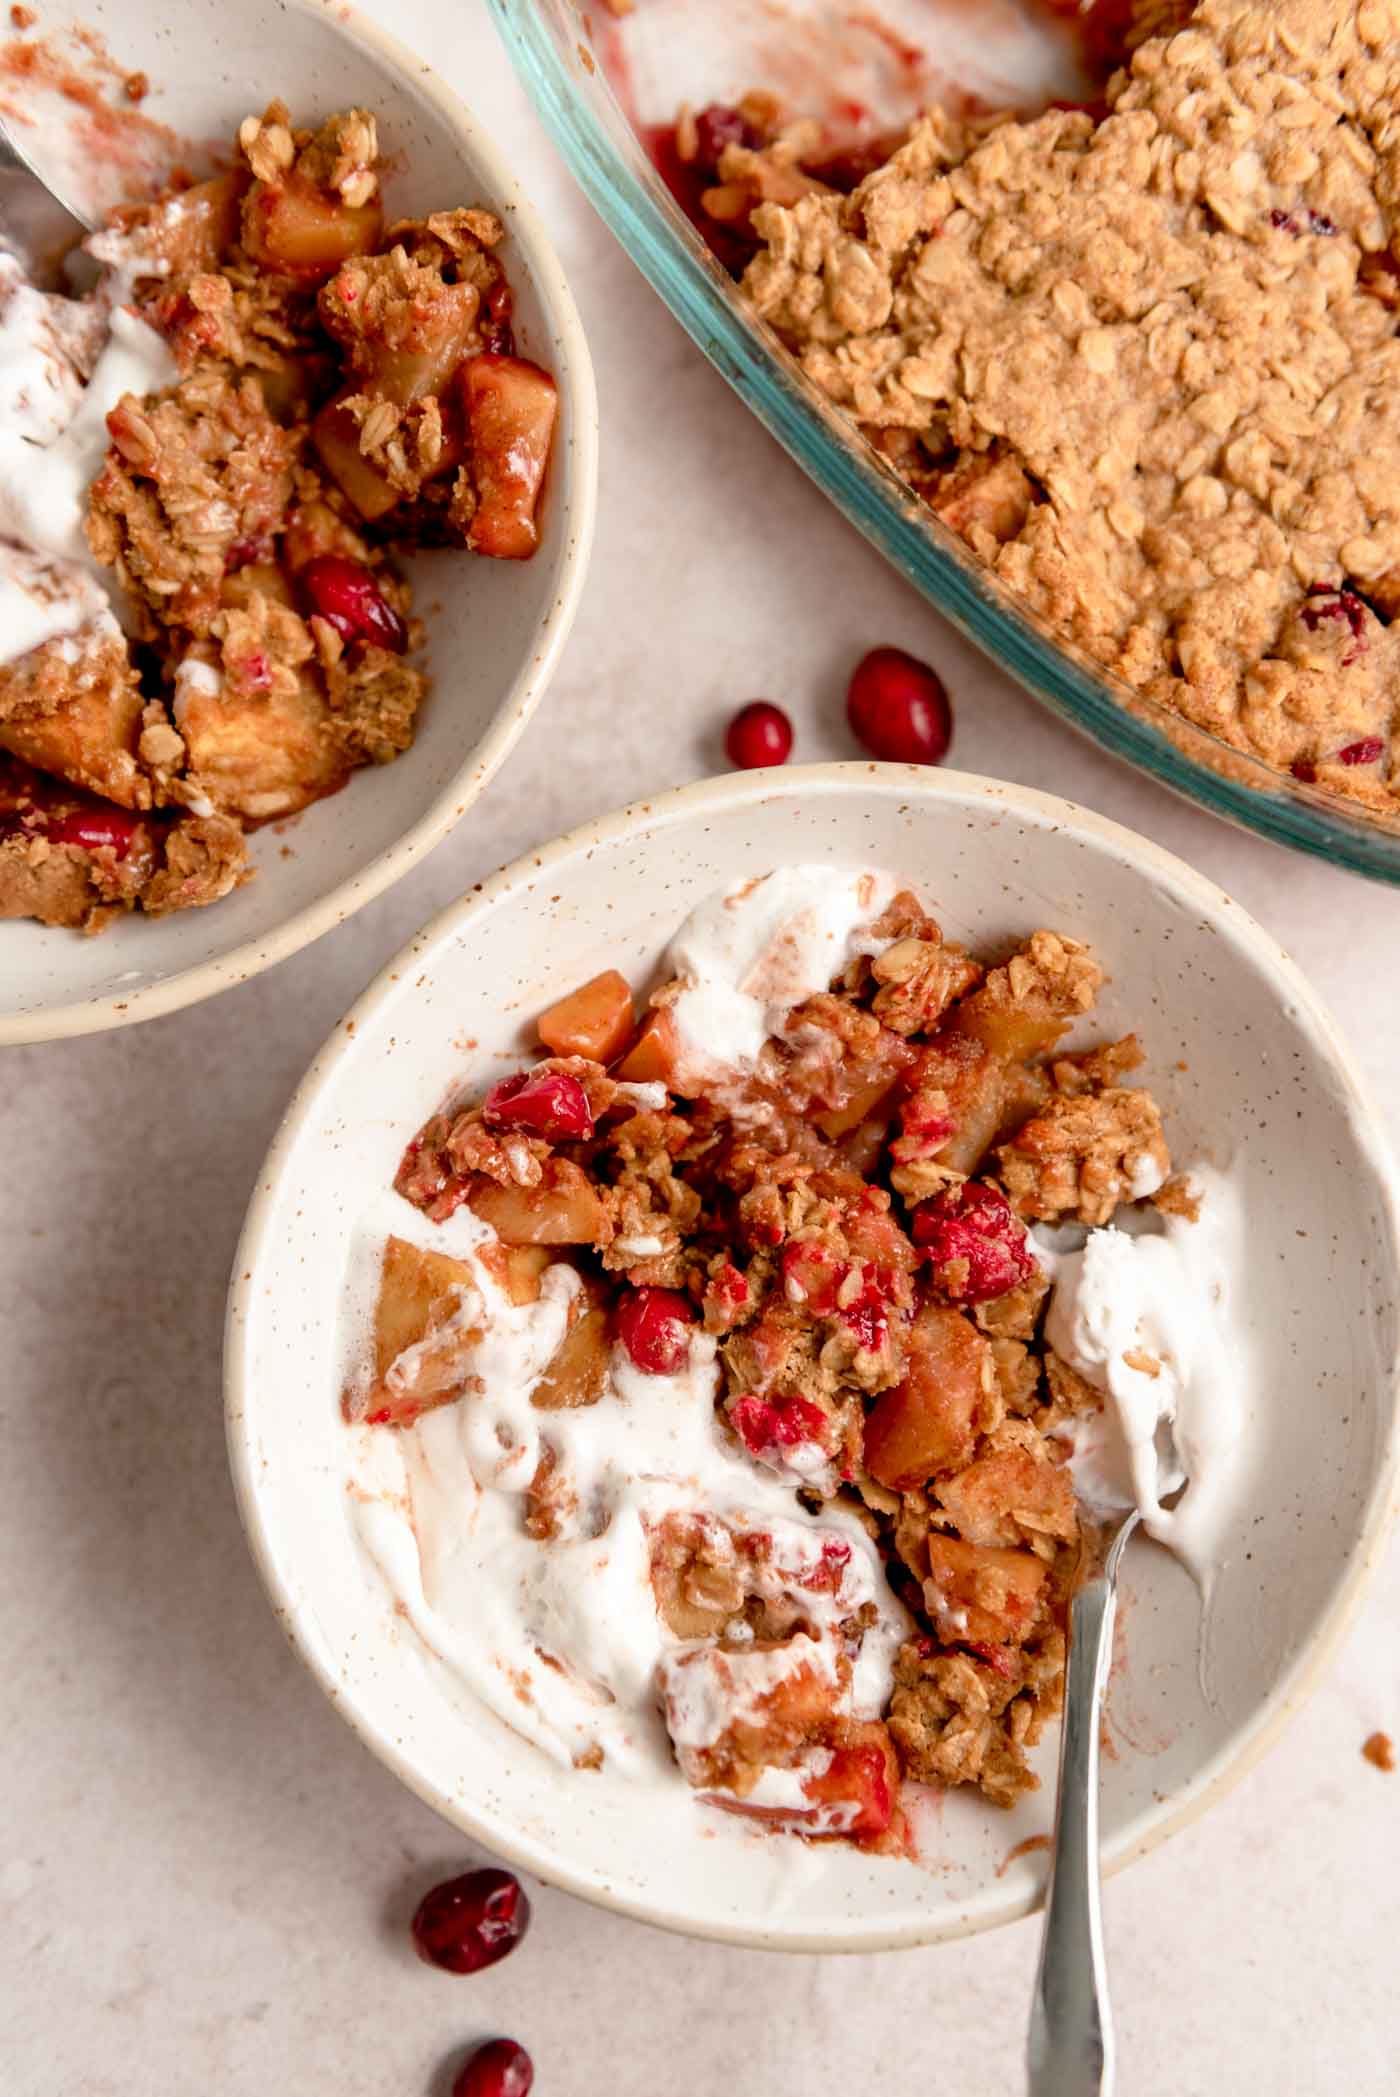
[[745, 957], [562, 1638], [1154, 1321], [64, 365]]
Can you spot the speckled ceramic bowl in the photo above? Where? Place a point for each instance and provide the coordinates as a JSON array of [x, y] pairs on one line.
[[1252, 1075], [495, 628]]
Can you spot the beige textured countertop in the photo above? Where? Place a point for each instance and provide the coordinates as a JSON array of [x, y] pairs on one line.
[[204, 1880]]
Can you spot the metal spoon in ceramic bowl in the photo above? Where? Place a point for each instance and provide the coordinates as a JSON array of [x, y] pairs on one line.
[[38, 224], [1070, 2048]]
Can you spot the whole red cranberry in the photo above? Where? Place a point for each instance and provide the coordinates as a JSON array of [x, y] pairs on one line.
[[549, 1103], [469, 1923], [759, 734], [977, 1248], [346, 595], [898, 709], [654, 1326], [499, 2069]]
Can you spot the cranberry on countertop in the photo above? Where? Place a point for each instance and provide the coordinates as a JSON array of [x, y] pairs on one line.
[[469, 1923], [759, 734], [345, 594], [498, 2069], [898, 709]]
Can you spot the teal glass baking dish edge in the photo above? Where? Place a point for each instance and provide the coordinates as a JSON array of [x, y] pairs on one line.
[[550, 46]]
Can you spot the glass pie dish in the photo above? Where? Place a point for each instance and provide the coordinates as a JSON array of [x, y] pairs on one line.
[[602, 81]]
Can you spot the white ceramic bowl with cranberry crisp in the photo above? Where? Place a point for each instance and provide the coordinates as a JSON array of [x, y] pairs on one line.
[[1252, 1077], [495, 627]]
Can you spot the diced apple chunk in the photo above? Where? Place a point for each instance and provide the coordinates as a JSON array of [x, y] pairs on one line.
[[336, 436], [90, 740], [415, 355], [982, 1592], [563, 1209], [518, 1268], [579, 1370], [927, 1423], [510, 407], [651, 1059], [259, 754], [294, 226], [419, 1292], [596, 1020]]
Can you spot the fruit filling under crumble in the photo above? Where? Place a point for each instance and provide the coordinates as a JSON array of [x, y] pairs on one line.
[[206, 467], [1140, 354], [705, 1413]]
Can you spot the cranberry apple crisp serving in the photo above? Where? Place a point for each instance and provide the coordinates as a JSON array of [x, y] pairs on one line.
[[269, 391], [704, 1413], [1141, 356]]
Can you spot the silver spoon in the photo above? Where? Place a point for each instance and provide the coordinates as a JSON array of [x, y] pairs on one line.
[[1070, 2048], [37, 223]]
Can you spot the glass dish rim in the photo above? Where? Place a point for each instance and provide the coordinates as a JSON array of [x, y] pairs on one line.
[[630, 197]]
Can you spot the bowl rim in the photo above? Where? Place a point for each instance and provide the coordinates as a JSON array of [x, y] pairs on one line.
[[567, 84], [714, 796], [579, 393]]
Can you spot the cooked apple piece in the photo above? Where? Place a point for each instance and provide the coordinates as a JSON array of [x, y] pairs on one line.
[[336, 436], [510, 408], [563, 1209], [419, 1293], [292, 225], [260, 754], [579, 1370], [651, 1060], [981, 1591], [854, 1794], [518, 1268], [313, 530], [1013, 1490], [194, 229], [927, 1424], [596, 1020], [258, 579], [90, 740]]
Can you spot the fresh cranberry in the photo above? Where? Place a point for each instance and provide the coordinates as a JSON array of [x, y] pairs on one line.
[[94, 828], [469, 1923], [500, 2069], [777, 1423], [898, 709], [759, 734], [548, 1103], [973, 1225], [1365, 752], [719, 126], [654, 1326], [346, 595]]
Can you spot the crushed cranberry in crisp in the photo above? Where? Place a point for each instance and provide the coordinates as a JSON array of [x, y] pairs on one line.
[[898, 708], [499, 2069], [1310, 222], [346, 595], [1324, 603], [469, 1923], [244, 552], [972, 1226], [253, 672], [719, 126], [1366, 752], [654, 1326], [93, 828], [1305, 770], [549, 1103], [777, 1423], [994, 1657], [811, 1276], [759, 734], [497, 334]]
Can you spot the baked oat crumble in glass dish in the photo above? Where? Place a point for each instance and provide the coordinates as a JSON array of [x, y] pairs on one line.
[[735, 1397], [1112, 382], [209, 466]]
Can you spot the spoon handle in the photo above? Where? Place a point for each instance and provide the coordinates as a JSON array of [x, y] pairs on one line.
[[1070, 2050]]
